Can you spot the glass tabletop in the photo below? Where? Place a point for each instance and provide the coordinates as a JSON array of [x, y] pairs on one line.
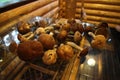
[[100, 64]]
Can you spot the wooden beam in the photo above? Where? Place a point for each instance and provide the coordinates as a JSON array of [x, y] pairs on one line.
[[112, 25], [52, 12], [97, 18], [109, 2], [39, 12], [114, 8], [96, 23], [70, 9], [23, 9], [100, 13]]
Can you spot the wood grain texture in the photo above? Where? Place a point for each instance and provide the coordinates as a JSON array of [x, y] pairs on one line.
[[100, 10], [23, 9], [96, 6], [70, 9], [110, 2], [52, 13], [39, 12], [100, 13]]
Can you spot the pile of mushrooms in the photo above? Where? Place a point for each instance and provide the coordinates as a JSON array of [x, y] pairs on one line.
[[53, 41]]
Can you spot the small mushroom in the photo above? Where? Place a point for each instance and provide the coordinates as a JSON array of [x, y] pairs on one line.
[[65, 52], [62, 35], [26, 37], [50, 57], [99, 41], [83, 51], [77, 37], [41, 30]]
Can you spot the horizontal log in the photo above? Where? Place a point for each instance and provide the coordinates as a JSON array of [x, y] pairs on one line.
[[96, 23], [100, 13], [109, 2], [78, 4], [38, 12], [77, 15], [114, 8], [51, 13], [23, 9], [99, 19]]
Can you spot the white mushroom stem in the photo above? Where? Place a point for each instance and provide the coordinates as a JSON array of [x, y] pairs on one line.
[[75, 45], [82, 52], [43, 30], [91, 34], [30, 36], [27, 34], [49, 28]]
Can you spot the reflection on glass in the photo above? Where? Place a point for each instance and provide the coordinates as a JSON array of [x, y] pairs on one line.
[[2, 50], [12, 36], [7, 39], [91, 62]]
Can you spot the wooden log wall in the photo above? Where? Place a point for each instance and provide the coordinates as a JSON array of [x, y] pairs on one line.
[[46, 8], [98, 10]]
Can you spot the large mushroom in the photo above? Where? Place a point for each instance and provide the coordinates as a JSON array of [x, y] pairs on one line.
[[83, 51], [77, 37], [13, 47], [29, 50], [50, 57], [62, 35], [65, 52], [23, 27], [47, 41], [98, 42]]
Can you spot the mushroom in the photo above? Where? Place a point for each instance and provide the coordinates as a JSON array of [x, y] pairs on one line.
[[83, 51], [21, 38], [13, 47], [28, 36], [30, 50], [41, 30], [66, 27], [65, 52], [50, 57], [23, 27], [99, 41], [62, 35], [48, 41], [77, 37]]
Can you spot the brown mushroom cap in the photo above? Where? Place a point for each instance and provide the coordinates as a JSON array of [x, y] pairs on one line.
[[47, 41], [50, 57], [99, 42], [13, 47], [23, 28], [62, 35], [84, 52], [29, 50], [77, 27], [65, 52], [77, 37], [102, 31], [66, 27]]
